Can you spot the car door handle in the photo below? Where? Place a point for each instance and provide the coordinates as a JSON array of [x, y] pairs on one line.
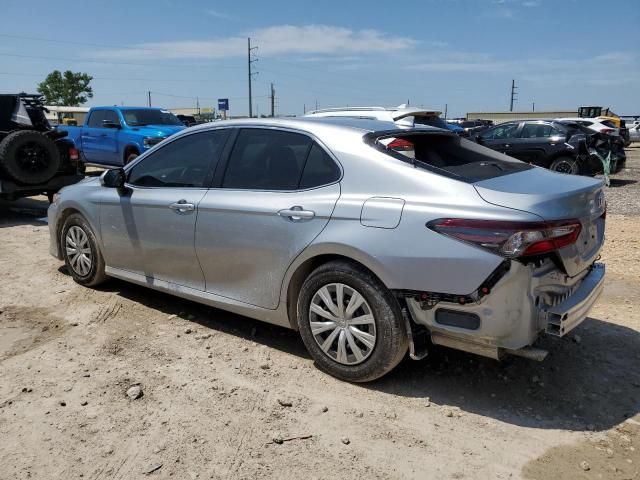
[[182, 206], [297, 213]]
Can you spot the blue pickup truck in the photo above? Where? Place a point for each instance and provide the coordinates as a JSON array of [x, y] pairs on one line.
[[117, 135]]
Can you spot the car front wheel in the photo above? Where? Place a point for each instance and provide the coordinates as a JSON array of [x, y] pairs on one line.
[[350, 323], [80, 250]]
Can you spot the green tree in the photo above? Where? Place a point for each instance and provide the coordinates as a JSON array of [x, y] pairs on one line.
[[69, 89]]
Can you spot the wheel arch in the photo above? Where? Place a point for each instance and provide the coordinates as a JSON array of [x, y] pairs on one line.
[[65, 212], [128, 150], [302, 267]]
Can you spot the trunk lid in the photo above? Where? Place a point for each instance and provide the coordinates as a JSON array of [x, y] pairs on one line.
[[554, 196]]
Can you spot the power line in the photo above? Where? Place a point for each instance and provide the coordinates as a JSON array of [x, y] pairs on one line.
[[80, 60], [102, 45], [181, 80]]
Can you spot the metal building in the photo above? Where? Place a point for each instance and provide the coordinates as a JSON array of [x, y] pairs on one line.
[[499, 117]]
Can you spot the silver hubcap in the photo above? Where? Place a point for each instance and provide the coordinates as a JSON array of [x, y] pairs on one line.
[[342, 324], [78, 250]]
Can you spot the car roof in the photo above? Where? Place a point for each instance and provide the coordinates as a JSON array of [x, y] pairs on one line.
[[579, 119], [395, 113], [315, 124]]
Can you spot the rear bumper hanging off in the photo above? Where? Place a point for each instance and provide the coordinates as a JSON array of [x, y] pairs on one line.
[[567, 315]]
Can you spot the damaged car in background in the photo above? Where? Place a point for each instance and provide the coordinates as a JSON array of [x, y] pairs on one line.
[[561, 146], [320, 226]]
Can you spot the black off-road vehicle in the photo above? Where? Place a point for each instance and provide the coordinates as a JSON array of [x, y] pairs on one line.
[[34, 157]]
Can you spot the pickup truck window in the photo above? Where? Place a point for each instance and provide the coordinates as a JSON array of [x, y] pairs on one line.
[[187, 162], [95, 119], [111, 116], [143, 116]]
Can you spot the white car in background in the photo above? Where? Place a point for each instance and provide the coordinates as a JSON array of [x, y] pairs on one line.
[[402, 116], [597, 124], [634, 132]]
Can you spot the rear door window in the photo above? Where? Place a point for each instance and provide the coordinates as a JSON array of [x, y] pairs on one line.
[[268, 159], [539, 130], [319, 169]]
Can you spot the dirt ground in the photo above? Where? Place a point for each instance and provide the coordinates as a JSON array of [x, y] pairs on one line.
[[219, 388]]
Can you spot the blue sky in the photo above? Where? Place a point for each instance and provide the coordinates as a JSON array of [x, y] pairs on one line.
[[464, 53]]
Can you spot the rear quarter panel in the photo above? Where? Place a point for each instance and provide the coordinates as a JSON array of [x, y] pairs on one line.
[[409, 256]]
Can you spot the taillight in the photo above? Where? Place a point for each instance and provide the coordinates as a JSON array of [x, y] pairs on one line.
[[607, 130], [401, 145], [510, 239], [74, 154]]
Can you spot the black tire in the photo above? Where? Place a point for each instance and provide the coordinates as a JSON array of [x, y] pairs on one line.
[[130, 158], [568, 165], [390, 335], [29, 157], [94, 275]]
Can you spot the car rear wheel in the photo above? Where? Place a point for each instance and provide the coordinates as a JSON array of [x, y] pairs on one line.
[[350, 323], [81, 253], [565, 165]]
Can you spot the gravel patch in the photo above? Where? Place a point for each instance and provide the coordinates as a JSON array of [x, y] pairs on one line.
[[623, 196]]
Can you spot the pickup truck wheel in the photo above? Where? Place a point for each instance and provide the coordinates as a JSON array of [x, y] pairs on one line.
[[29, 157], [81, 253], [131, 157], [565, 165], [350, 323]]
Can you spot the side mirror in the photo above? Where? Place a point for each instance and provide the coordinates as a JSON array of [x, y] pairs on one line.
[[110, 124], [113, 178]]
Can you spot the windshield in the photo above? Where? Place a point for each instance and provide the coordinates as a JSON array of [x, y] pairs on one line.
[[431, 120], [140, 117]]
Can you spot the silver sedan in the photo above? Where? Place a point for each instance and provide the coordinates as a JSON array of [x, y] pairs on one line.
[[327, 227]]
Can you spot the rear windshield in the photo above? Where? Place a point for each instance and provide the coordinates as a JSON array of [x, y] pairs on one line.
[[430, 120], [452, 156]]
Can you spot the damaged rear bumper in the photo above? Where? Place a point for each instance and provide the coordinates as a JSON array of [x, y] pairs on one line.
[[526, 302], [569, 313]]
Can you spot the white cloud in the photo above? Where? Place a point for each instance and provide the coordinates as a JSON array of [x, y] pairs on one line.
[[275, 40], [215, 13]]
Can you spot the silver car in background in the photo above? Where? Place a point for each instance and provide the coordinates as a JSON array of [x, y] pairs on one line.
[[319, 226]]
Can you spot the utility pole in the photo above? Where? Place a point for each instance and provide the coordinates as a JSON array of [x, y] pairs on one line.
[[316, 104], [149, 97], [250, 60], [198, 105], [513, 94], [533, 106], [304, 108], [273, 101], [446, 105]]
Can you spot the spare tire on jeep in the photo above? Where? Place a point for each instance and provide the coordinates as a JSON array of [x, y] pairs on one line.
[[29, 157]]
